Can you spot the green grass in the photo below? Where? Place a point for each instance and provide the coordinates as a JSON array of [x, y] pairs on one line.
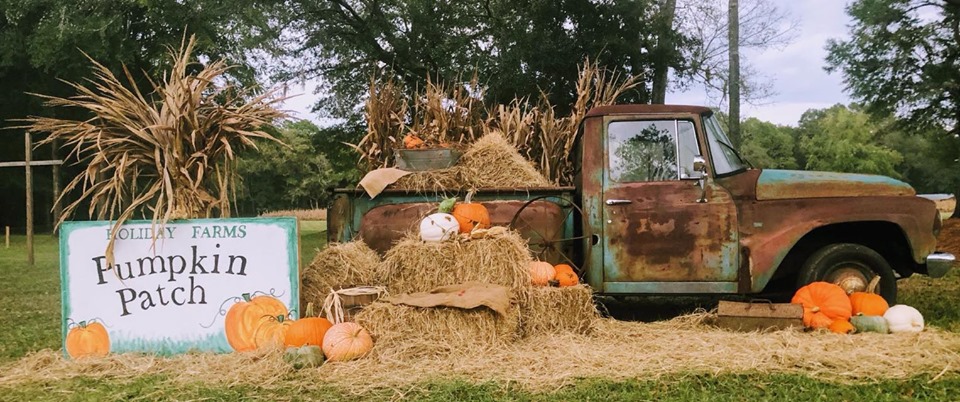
[[30, 300]]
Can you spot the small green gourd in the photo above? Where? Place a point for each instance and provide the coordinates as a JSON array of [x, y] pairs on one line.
[[304, 356], [870, 323]]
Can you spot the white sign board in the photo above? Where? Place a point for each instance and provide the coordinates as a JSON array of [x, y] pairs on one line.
[[172, 295]]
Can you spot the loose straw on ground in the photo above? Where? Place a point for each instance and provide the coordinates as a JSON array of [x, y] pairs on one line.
[[614, 351]]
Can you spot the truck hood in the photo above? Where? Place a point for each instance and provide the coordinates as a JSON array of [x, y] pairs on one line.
[[789, 184]]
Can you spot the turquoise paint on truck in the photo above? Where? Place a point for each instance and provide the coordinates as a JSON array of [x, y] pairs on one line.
[[776, 184]]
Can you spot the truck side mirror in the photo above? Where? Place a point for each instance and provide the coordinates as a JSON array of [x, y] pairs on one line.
[[700, 166]]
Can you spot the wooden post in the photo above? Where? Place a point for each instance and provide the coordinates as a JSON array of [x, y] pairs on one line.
[[28, 151], [57, 207]]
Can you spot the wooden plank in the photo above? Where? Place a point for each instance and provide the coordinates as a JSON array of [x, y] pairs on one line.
[[54, 162], [27, 155], [762, 309]]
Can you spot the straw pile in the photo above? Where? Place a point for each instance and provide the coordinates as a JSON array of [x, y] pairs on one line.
[[614, 351], [491, 161], [403, 332], [338, 266], [415, 266], [554, 310]]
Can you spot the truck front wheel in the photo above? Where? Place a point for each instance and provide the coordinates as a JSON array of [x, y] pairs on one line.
[[851, 266]]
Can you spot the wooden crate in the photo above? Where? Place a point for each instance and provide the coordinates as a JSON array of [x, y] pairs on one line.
[[759, 315]]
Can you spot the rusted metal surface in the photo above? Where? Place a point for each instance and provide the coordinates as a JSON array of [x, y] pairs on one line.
[[384, 225], [591, 187], [790, 184], [666, 235]]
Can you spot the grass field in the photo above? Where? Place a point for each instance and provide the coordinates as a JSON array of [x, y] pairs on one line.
[[30, 300]]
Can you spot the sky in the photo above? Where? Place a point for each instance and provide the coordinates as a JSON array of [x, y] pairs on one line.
[[796, 70], [799, 81]]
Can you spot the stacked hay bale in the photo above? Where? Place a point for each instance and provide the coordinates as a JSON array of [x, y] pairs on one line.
[[339, 266], [549, 310]]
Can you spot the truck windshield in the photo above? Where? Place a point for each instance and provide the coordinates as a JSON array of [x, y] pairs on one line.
[[725, 157]]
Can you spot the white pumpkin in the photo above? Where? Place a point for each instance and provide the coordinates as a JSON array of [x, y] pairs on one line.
[[438, 227], [903, 318]]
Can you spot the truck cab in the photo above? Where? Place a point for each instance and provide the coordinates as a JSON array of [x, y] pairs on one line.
[[671, 207], [662, 203]]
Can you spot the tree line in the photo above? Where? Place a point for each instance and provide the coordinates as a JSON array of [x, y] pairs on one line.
[[900, 63]]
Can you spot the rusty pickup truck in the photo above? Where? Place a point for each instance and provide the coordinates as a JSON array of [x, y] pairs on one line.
[[663, 204]]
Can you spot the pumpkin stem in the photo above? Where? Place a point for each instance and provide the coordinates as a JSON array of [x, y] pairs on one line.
[[82, 324], [470, 195], [280, 318], [246, 297], [815, 309], [309, 312], [872, 286]]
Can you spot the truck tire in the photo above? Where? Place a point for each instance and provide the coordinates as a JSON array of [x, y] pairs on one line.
[[851, 266]]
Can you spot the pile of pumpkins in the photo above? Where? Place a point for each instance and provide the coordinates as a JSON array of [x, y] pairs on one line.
[[311, 340], [545, 274], [826, 305], [454, 218], [472, 219]]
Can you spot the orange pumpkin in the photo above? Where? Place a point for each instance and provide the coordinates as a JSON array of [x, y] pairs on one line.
[[563, 268], [823, 303], [87, 339], [471, 215], [245, 318], [411, 141], [346, 341], [541, 273], [308, 330], [868, 302], [271, 332], [842, 327], [567, 278]]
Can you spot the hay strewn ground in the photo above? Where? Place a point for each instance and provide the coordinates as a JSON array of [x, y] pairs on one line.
[[615, 351]]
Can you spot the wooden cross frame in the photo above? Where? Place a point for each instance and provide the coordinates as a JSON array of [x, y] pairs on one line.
[[27, 163]]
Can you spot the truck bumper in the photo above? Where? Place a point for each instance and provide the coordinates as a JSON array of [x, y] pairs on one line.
[[938, 264]]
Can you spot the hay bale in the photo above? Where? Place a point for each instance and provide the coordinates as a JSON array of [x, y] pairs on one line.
[[493, 161], [339, 266], [549, 310], [414, 266], [403, 331], [433, 181]]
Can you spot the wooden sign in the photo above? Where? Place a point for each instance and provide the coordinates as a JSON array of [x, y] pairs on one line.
[[193, 288]]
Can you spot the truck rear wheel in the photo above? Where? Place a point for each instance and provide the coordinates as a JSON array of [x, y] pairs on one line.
[[851, 266]]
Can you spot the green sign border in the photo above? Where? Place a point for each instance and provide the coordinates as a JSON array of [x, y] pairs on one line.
[[288, 223]]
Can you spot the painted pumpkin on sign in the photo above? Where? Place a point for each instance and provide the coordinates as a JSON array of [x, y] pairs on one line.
[[346, 341], [271, 332], [87, 339], [823, 303], [245, 318]]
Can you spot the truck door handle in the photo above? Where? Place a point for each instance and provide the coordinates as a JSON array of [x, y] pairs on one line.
[[618, 202]]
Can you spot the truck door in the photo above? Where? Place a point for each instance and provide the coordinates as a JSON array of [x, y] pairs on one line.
[[661, 232]]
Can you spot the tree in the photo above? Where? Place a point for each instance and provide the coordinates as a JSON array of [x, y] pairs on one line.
[[518, 48], [733, 86], [292, 175], [903, 59], [761, 26], [665, 47], [767, 145], [842, 139], [44, 42]]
